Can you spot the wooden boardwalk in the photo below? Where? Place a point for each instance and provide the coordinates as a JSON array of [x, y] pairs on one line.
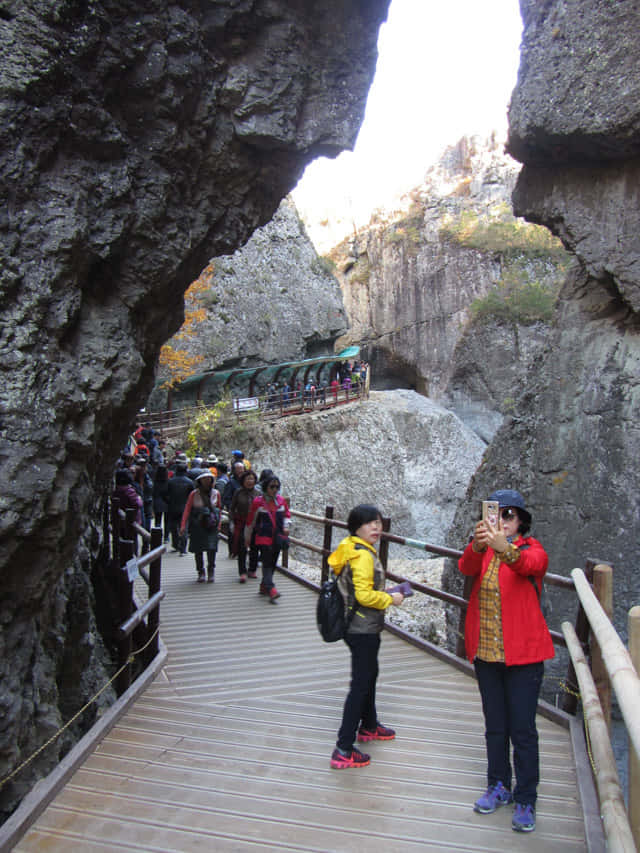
[[228, 750]]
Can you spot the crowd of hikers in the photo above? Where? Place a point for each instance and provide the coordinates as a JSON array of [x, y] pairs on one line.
[[506, 635], [186, 497]]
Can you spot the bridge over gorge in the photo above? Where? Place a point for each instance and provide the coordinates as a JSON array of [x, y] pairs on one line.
[[228, 747]]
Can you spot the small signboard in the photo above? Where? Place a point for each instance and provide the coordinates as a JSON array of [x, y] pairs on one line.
[[132, 568], [244, 403]]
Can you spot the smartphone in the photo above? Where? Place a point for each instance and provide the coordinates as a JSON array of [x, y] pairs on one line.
[[491, 512]]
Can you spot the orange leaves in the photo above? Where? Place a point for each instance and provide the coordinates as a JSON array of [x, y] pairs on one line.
[[180, 363]]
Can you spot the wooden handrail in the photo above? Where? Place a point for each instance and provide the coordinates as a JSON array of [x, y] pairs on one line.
[[612, 807], [139, 616], [617, 659]]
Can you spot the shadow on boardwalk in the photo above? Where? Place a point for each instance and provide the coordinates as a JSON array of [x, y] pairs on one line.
[[229, 748]]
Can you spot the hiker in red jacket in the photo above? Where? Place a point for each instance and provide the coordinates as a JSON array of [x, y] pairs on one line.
[[270, 517], [507, 639]]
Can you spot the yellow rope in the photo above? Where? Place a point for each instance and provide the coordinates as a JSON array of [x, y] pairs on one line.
[[57, 734]]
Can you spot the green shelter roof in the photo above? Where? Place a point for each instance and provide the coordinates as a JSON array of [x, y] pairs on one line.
[[224, 376]]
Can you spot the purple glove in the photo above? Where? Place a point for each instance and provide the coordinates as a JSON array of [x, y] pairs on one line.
[[404, 588]]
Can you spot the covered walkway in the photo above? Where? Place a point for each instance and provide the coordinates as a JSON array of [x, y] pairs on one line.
[[228, 750]]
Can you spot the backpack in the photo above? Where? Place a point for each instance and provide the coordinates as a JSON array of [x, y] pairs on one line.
[[331, 617]]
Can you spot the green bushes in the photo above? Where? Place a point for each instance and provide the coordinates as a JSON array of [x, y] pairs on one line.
[[527, 303], [503, 234]]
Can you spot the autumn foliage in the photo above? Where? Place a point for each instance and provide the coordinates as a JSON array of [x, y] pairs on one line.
[[179, 362]]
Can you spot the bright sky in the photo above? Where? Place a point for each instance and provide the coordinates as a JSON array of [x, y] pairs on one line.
[[446, 68]]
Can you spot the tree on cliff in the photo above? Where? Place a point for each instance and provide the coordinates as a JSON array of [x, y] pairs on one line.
[[178, 362]]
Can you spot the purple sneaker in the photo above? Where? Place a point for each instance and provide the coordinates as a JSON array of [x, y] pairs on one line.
[[524, 818], [495, 795]]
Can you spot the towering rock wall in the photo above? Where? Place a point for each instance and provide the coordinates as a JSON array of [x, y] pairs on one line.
[[138, 141], [573, 443], [273, 300], [410, 282]]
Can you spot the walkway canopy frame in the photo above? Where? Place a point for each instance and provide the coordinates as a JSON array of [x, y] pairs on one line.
[[268, 372]]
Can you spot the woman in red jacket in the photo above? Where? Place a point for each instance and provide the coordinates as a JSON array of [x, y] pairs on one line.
[[269, 516], [507, 639]]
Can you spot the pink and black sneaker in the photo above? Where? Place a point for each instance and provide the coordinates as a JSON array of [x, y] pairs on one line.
[[379, 733], [340, 759]]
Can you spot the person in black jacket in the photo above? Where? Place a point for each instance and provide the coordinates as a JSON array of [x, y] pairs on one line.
[[160, 500], [179, 488]]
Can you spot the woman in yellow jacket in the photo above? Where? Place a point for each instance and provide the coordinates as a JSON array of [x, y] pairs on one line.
[[361, 579]]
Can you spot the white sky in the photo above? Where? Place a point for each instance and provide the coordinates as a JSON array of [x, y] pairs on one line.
[[446, 68]]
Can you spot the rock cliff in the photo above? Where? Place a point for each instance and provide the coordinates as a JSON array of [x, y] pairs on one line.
[[273, 300], [572, 444], [398, 450], [137, 142], [414, 281]]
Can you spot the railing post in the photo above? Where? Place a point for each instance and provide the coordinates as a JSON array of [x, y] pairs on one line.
[[155, 572], [634, 759], [285, 551], [602, 588], [326, 543], [129, 532], [570, 698], [125, 596], [461, 650], [383, 552]]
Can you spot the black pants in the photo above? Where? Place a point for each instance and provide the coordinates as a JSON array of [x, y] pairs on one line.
[[268, 557], [178, 542], [211, 562], [360, 704], [509, 701]]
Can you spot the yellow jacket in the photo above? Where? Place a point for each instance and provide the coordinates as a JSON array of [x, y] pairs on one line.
[[365, 582]]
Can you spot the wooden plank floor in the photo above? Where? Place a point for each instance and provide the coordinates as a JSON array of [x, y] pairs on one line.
[[228, 750]]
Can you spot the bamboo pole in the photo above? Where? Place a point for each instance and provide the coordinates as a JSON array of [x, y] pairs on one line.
[[614, 816], [603, 590], [634, 760], [617, 659]]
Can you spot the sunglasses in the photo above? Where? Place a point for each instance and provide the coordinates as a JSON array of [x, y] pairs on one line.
[[508, 514], [273, 486]]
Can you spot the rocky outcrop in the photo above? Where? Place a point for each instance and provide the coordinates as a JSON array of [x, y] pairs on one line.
[[412, 281], [398, 450], [572, 444], [136, 143], [273, 300]]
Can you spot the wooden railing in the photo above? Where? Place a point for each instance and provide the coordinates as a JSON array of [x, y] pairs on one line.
[[134, 622], [177, 421], [613, 665]]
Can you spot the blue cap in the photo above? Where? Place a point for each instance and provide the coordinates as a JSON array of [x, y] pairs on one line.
[[510, 497]]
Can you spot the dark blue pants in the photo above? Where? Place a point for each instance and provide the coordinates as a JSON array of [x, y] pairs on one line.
[[360, 704], [268, 557], [509, 700]]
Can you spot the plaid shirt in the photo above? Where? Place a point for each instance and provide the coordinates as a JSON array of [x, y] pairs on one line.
[[491, 643]]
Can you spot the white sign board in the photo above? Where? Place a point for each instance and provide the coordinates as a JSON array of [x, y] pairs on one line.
[[244, 403], [132, 568]]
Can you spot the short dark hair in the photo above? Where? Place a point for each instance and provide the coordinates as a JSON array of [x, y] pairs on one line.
[[524, 519], [362, 514]]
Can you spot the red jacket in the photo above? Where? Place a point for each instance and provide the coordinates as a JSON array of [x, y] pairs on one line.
[[269, 519], [524, 630]]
